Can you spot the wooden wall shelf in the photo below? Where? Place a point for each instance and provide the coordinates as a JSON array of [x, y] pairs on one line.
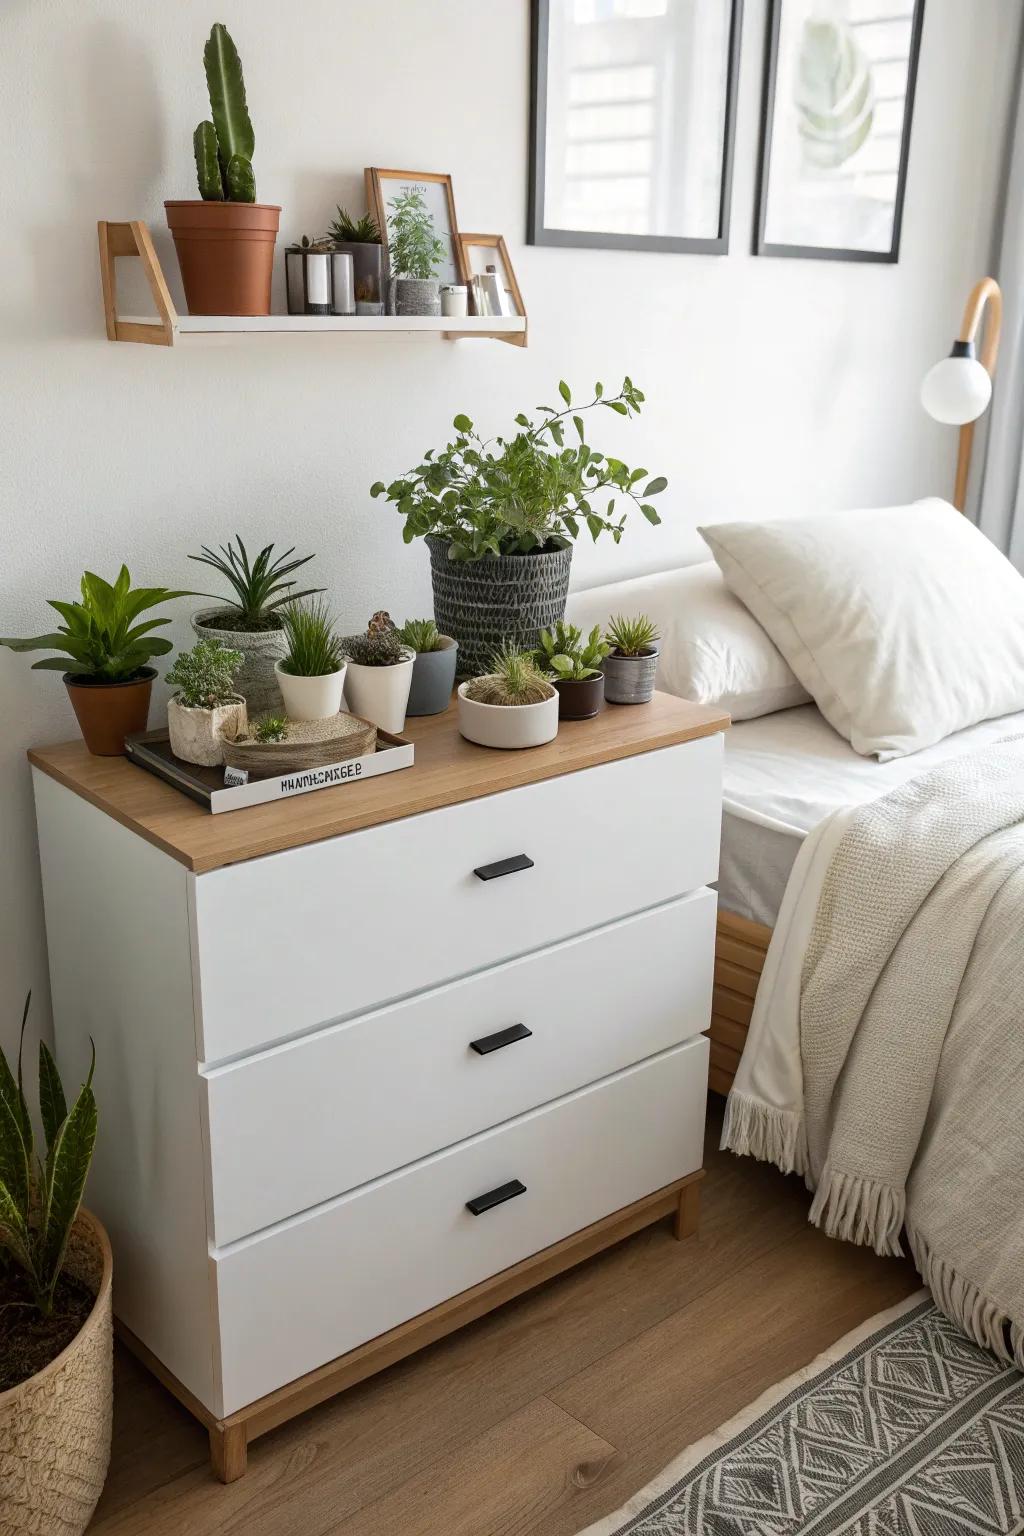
[[169, 328]]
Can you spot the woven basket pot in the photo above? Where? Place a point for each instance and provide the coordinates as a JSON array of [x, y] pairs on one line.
[[480, 603], [256, 680], [55, 1427]]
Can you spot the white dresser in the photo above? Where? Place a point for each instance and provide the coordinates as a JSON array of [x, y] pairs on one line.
[[372, 1061]]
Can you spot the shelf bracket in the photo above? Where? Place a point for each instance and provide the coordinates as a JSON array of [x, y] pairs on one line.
[[133, 239]]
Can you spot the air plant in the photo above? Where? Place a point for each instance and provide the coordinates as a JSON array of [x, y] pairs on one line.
[[514, 680]]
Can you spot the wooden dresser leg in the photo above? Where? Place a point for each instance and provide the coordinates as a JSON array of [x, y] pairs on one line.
[[228, 1452], [687, 1215]]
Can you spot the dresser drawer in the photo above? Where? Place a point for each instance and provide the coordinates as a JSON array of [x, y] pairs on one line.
[[293, 1298], [298, 1124], [294, 940]]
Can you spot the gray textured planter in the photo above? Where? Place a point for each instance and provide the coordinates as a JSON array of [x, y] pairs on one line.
[[630, 679], [256, 681], [480, 603], [433, 678], [417, 296]]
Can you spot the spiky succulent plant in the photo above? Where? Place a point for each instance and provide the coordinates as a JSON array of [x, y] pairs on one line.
[[421, 635], [631, 637], [514, 679], [381, 646]]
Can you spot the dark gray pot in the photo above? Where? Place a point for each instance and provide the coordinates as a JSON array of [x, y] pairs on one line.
[[630, 679], [418, 296], [433, 678], [501, 597], [367, 269]]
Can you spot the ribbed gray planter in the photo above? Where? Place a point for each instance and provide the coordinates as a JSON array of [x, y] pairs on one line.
[[433, 678], [630, 679], [417, 296], [481, 603], [256, 682]]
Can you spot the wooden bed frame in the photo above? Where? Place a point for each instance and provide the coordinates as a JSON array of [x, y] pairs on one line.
[[740, 950]]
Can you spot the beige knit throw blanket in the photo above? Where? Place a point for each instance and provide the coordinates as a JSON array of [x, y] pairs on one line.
[[911, 1041]]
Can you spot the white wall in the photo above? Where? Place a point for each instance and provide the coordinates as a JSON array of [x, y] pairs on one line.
[[771, 384]]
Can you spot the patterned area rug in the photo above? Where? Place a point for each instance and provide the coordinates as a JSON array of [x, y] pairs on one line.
[[904, 1428]]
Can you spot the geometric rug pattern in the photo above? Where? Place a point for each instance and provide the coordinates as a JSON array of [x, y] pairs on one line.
[[916, 1432]]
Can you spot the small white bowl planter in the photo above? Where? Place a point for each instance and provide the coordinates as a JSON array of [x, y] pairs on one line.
[[380, 694], [311, 698], [508, 726], [197, 735]]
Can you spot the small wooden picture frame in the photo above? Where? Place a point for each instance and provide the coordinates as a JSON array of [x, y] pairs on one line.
[[437, 189], [482, 251]]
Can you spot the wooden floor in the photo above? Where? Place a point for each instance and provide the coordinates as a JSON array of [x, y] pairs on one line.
[[542, 1417]]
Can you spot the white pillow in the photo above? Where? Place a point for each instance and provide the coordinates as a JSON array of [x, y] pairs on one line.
[[712, 651], [904, 623]]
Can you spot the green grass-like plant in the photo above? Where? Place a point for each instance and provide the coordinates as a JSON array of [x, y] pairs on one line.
[[564, 652], [381, 646], [421, 635], [205, 675], [270, 728], [513, 680], [363, 231], [260, 587], [314, 649], [633, 636]]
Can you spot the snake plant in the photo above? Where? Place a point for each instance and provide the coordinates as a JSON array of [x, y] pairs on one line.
[[224, 147]]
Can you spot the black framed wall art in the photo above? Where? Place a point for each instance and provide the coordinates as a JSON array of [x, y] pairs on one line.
[[839, 89], [633, 116]]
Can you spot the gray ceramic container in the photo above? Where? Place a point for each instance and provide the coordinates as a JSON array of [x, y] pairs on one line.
[[256, 682], [433, 678], [630, 679], [418, 296]]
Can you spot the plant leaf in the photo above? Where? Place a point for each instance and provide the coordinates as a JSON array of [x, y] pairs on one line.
[[656, 485], [67, 1168], [53, 1107], [564, 391], [651, 514], [226, 85]]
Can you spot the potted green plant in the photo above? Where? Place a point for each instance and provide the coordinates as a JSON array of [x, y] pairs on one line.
[[205, 707], [250, 621], [225, 238], [433, 671], [631, 665], [361, 239], [56, 1324], [415, 253], [379, 674], [500, 517], [511, 706], [311, 674], [575, 668], [105, 656]]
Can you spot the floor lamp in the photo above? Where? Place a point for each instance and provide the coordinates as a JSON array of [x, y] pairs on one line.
[[957, 390]]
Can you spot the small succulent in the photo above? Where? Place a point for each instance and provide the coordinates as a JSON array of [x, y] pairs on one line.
[[514, 679], [421, 635], [362, 231], [631, 637], [381, 646], [564, 652], [270, 728], [205, 675]]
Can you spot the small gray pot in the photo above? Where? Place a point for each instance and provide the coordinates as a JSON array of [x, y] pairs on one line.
[[417, 296], [630, 679], [256, 681], [433, 678]]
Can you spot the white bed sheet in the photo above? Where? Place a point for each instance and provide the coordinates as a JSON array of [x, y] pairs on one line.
[[786, 772]]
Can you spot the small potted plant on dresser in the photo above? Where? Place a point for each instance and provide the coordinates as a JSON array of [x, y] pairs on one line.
[[433, 671], [575, 668], [311, 674], [56, 1324], [105, 657], [415, 252], [511, 706], [250, 621], [361, 239], [379, 674], [631, 665], [205, 707]]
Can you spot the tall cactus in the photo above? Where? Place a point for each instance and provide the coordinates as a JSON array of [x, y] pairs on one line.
[[224, 147]]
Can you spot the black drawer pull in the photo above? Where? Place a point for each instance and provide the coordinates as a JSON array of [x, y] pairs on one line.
[[495, 1197], [488, 1043], [503, 867]]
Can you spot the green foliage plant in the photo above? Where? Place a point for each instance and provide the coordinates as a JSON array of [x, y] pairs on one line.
[[314, 649], [205, 675], [40, 1197], [381, 646], [421, 635], [99, 640], [514, 680], [260, 587], [564, 653], [414, 247], [363, 231], [524, 494], [634, 636], [224, 147], [270, 728]]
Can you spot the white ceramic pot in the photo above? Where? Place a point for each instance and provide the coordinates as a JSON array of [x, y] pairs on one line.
[[311, 698], [380, 694], [508, 725], [197, 735]]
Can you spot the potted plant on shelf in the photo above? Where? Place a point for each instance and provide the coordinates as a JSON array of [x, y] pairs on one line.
[[511, 706], [251, 621], [56, 1325], [206, 707], [433, 671], [379, 674], [575, 668], [105, 657], [415, 253], [225, 238], [631, 665], [500, 516], [311, 674], [361, 239]]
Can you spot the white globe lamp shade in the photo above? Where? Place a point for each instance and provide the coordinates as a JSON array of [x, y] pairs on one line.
[[957, 390]]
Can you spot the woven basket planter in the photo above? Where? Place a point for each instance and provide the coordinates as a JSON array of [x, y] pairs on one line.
[[480, 603], [55, 1427]]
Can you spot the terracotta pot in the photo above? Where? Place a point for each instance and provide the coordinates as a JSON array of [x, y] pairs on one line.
[[579, 700], [55, 1427], [108, 712], [226, 255]]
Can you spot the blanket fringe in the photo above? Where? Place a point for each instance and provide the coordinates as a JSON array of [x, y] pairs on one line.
[[859, 1210], [755, 1129], [979, 1317]]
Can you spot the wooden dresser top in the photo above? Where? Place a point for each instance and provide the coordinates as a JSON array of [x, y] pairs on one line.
[[447, 770]]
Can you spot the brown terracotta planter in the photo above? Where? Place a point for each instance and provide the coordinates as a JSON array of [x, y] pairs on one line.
[[582, 700], [226, 255], [108, 712]]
